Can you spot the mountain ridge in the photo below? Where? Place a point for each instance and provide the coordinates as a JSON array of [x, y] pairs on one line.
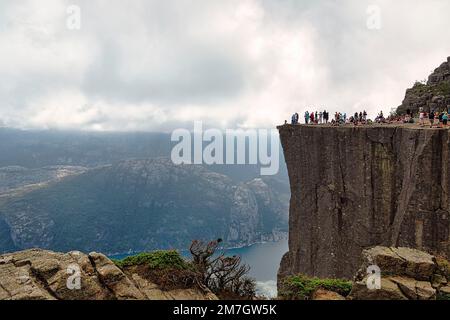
[[86, 210]]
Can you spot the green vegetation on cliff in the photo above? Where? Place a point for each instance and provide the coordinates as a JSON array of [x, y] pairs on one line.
[[225, 276], [443, 296], [159, 260], [431, 94], [420, 88], [301, 287]]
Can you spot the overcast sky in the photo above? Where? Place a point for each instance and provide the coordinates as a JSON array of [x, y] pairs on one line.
[[160, 65]]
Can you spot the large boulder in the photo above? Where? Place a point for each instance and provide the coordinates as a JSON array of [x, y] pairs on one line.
[[415, 290], [406, 274], [322, 294], [445, 290], [400, 261], [44, 275], [114, 279], [389, 291]]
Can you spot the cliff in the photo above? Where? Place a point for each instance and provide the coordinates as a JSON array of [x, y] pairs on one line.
[[46, 275], [358, 187], [432, 95]]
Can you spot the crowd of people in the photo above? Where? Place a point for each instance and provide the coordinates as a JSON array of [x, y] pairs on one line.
[[322, 117], [434, 118], [399, 119], [340, 118]]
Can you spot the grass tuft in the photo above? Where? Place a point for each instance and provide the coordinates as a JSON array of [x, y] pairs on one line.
[[300, 287], [157, 260]]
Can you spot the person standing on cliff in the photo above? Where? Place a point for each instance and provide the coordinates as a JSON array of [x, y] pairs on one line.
[[441, 114], [320, 117], [436, 119], [311, 115], [431, 118], [306, 117], [445, 119]]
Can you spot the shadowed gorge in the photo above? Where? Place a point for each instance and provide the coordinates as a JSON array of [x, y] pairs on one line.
[[357, 187]]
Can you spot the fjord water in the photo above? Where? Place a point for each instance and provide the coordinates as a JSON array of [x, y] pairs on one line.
[[264, 260]]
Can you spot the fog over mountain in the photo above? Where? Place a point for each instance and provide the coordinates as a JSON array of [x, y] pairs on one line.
[[157, 66]]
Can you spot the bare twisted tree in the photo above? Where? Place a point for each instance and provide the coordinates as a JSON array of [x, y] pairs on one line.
[[221, 273]]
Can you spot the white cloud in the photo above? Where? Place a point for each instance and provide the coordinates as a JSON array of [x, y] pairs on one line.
[[153, 65]]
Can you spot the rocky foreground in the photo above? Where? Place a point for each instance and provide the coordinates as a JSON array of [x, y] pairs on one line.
[[385, 274], [406, 274], [45, 275]]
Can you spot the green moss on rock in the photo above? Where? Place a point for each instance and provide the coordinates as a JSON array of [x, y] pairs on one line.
[[444, 267], [300, 287], [443, 296]]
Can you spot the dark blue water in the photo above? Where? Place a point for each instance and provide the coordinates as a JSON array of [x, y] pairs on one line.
[[264, 260]]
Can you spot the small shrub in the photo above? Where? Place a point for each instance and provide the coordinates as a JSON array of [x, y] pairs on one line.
[[301, 287], [225, 276], [157, 260], [443, 296], [444, 88], [167, 269], [419, 84]]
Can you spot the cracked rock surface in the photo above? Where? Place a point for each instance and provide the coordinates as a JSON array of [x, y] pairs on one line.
[[45, 275], [406, 274]]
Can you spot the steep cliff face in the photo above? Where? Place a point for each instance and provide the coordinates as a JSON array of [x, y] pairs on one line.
[[353, 188]]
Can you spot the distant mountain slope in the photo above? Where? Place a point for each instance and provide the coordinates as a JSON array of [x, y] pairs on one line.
[[6, 241], [138, 205], [38, 149], [18, 177]]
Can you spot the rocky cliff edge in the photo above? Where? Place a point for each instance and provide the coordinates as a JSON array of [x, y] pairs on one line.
[[45, 275], [359, 187]]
